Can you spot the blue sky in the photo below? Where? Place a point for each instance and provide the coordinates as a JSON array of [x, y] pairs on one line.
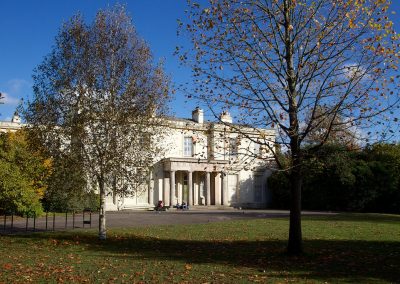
[[28, 28]]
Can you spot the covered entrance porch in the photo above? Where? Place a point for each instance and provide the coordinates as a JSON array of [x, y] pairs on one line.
[[195, 182]]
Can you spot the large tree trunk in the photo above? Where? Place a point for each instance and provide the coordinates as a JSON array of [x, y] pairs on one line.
[[102, 212], [295, 245], [295, 239]]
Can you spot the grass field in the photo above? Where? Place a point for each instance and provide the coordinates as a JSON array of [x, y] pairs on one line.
[[345, 248]]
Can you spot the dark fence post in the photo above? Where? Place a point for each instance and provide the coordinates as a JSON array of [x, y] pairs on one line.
[[66, 218], [84, 218], [54, 220], [73, 219], [5, 220], [47, 215], [12, 221], [34, 221]]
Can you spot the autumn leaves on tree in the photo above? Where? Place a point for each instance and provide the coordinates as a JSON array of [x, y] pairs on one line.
[[96, 97], [23, 175], [298, 67]]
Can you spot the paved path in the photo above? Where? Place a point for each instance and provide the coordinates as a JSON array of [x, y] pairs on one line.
[[140, 218]]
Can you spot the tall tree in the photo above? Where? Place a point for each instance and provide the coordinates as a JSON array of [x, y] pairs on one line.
[[275, 63], [95, 100]]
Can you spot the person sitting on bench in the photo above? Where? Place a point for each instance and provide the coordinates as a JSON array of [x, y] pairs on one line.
[[160, 206], [184, 206]]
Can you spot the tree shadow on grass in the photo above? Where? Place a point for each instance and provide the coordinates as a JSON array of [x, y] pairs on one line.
[[357, 217], [328, 260]]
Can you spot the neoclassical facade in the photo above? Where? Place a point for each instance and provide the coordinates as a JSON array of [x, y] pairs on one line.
[[202, 164], [206, 164]]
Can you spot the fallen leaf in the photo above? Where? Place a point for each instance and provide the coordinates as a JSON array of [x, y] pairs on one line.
[[7, 266], [188, 267]]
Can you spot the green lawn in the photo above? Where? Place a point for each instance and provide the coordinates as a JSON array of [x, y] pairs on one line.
[[346, 248]]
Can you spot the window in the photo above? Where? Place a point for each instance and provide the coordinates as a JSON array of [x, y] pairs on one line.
[[257, 150], [233, 147], [258, 188], [188, 147]]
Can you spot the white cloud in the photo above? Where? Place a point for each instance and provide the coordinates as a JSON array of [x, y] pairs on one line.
[[355, 71], [16, 86], [9, 100], [15, 89]]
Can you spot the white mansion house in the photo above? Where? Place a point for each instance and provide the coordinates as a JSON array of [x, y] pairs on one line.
[[207, 164], [203, 164]]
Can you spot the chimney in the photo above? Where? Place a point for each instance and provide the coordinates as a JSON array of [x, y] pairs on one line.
[[198, 115], [225, 117]]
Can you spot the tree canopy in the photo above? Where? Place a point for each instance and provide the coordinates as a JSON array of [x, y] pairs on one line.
[[339, 180], [23, 174], [68, 189], [95, 100]]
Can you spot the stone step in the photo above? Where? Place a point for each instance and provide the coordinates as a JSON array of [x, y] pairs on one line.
[[194, 207], [211, 207], [138, 207]]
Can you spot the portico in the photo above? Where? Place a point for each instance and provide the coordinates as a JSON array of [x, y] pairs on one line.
[[194, 181]]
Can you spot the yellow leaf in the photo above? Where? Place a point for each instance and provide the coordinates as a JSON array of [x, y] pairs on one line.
[[188, 267]]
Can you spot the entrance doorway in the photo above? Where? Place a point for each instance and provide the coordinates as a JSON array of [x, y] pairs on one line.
[[185, 188]]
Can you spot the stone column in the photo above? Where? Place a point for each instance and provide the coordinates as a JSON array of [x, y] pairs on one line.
[[190, 188], [218, 189], [180, 192], [172, 189], [165, 189], [224, 187], [151, 191], [208, 188], [196, 189]]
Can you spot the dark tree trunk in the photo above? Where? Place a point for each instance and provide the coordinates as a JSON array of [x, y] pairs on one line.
[[295, 238], [102, 212], [295, 244]]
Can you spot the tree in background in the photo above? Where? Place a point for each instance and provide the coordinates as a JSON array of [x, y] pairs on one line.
[[23, 175], [333, 130], [384, 161], [67, 187], [340, 180], [276, 63], [95, 100]]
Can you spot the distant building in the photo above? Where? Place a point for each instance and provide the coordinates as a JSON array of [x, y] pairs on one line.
[[12, 125]]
